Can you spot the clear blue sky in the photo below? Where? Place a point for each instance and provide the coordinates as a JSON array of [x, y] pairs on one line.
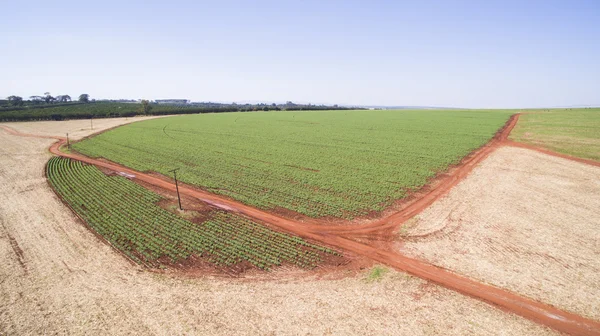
[[436, 53]]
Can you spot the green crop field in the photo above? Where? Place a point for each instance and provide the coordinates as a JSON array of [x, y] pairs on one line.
[[570, 131], [103, 109], [335, 163], [126, 215], [91, 110]]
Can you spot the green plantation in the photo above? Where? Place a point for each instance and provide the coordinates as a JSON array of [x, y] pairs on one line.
[[94, 110], [103, 109], [127, 216], [343, 164], [569, 131]]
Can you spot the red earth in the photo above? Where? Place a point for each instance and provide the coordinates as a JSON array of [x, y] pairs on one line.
[[341, 235]]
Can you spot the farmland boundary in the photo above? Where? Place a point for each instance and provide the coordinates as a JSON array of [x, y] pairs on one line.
[[337, 236]]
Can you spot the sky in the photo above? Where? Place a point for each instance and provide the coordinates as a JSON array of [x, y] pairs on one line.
[[472, 54]]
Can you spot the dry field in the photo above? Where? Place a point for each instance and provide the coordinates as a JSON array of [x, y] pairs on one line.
[[524, 221], [58, 278], [77, 128], [568, 131]]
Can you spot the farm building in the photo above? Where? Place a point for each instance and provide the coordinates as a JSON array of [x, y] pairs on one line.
[[172, 101]]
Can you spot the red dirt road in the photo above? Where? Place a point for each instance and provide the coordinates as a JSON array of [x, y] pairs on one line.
[[549, 152], [373, 228], [335, 235], [443, 186]]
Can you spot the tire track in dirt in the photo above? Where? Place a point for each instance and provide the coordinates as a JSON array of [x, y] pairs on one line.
[[16, 248], [528, 308], [540, 312]]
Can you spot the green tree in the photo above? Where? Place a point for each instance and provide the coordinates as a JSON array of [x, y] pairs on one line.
[[48, 98], [37, 99], [84, 98], [145, 108], [15, 100], [63, 98]]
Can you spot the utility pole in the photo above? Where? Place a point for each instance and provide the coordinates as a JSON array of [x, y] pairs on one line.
[[68, 143], [177, 186]]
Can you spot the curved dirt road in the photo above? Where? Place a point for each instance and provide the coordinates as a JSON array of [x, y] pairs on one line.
[[549, 152], [542, 313], [380, 226]]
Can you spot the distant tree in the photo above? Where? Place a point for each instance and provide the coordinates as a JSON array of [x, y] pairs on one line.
[[145, 108], [36, 99], [48, 98], [84, 98], [15, 100], [63, 98]]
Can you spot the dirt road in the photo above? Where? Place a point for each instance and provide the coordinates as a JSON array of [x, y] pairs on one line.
[[57, 278], [524, 221], [543, 313], [441, 186], [549, 152]]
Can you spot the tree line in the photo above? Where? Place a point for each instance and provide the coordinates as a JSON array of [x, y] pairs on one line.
[[62, 107], [47, 98]]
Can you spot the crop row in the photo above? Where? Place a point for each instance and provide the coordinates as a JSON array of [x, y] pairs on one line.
[[341, 164], [126, 215]]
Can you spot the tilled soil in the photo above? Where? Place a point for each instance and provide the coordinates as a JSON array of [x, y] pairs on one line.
[[523, 220], [77, 128], [537, 311], [57, 277]]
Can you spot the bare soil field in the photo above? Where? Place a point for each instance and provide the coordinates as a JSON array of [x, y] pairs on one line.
[[524, 221], [77, 128], [57, 277]]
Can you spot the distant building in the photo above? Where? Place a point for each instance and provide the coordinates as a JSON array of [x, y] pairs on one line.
[[172, 101], [118, 100]]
